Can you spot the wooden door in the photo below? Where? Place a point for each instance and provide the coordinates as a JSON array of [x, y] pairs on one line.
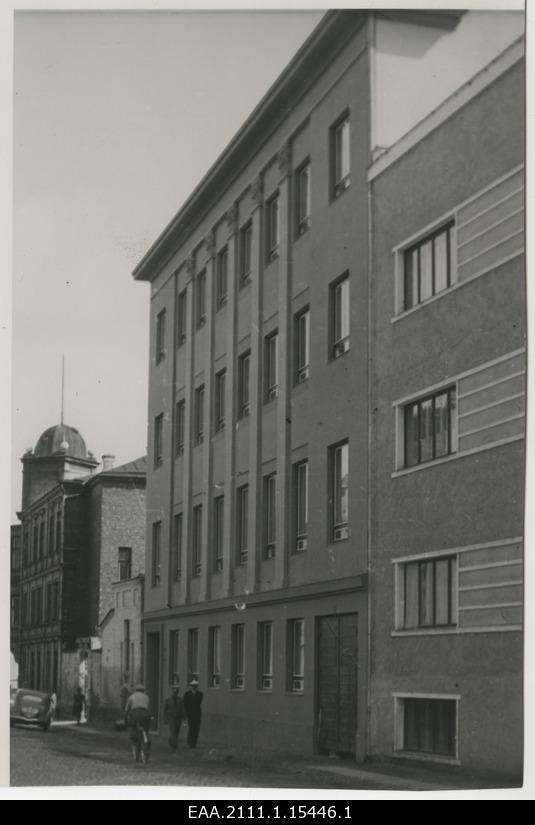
[[337, 683]]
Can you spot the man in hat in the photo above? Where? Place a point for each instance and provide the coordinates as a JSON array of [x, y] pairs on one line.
[[174, 714], [192, 706]]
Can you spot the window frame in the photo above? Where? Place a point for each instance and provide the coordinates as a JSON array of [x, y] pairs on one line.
[[271, 366], [193, 653], [199, 415], [303, 217], [178, 545], [265, 656], [196, 540], [244, 406], [160, 337], [222, 278], [214, 657], [220, 399], [122, 562], [182, 317], [272, 227], [296, 675], [237, 655], [245, 254], [156, 554], [446, 227], [158, 440], [174, 656], [200, 299], [338, 309], [242, 524], [339, 183], [400, 727], [339, 530], [300, 536], [270, 516], [301, 360], [449, 390], [218, 517], [402, 624], [180, 427]]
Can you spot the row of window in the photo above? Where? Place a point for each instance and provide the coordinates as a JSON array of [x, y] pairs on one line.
[[295, 656], [40, 605], [338, 469], [41, 536], [40, 671]]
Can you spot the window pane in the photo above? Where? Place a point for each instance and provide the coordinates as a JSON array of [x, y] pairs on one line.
[[426, 429], [411, 595], [302, 498], [442, 423], [341, 310], [341, 151], [441, 261], [411, 278], [341, 510], [303, 340], [426, 270], [443, 592], [411, 435], [426, 593], [303, 183]]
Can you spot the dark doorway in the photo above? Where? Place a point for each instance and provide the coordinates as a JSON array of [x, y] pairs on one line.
[[152, 675], [337, 683]]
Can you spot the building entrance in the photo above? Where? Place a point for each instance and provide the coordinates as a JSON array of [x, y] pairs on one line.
[[337, 683]]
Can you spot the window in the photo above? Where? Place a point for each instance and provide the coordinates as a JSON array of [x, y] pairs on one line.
[[340, 156], [193, 653], [272, 228], [302, 199], [265, 656], [126, 637], [156, 553], [35, 542], [340, 316], [214, 654], [50, 543], [58, 530], [340, 491], [270, 516], [125, 563], [55, 602], [237, 655], [158, 440], [199, 414], [242, 522], [244, 396], [220, 384], [200, 299], [302, 345], [181, 317], [429, 425], [197, 540], [42, 538], [272, 371], [246, 258], [48, 605], [178, 540], [427, 725], [296, 655], [222, 278], [160, 336], [174, 674], [180, 427], [219, 509], [301, 505], [427, 266], [428, 593]]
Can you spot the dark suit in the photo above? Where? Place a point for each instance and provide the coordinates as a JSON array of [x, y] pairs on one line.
[[173, 714], [192, 705]]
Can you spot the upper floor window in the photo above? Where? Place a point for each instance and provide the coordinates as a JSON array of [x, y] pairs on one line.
[[271, 366], [181, 317], [219, 514], [265, 655], [427, 266], [158, 440], [160, 336], [199, 414], [339, 301], [339, 467], [246, 253], [427, 592], [302, 345], [180, 424], [242, 522], [222, 278], [156, 553], [50, 542], [58, 530], [125, 563], [270, 516], [272, 228], [220, 398], [302, 198], [178, 543], [340, 156], [301, 505], [244, 390], [429, 427], [296, 655], [200, 299], [197, 540]]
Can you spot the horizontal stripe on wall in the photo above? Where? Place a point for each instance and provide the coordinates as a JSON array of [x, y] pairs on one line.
[[493, 617]]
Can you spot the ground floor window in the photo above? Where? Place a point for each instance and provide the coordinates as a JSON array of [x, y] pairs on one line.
[[427, 725]]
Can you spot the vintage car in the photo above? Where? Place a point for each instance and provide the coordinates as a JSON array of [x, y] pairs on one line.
[[30, 707]]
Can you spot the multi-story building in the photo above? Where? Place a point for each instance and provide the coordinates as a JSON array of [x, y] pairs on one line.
[[15, 558], [263, 463]]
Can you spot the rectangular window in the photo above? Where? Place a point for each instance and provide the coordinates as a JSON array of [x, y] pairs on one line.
[[242, 522], [197, 540], [272, 228], [58, 531], [42, 538], [219, 510], [246, 249], [156, 553], [55, 601], [200, 299], [126, 637], [270, 516], [340, 156], [302, 346], [199, 415], [174, 674], [427, 266], [222, 278], [50, 542], [296, 655], [265, 656], [214, 654], [158, 440], [237, 655], [301, 505], [180, 427], [160, 336], [340, 491], [429, 726], [178, 540], [48, 605], [193, 653], [220, 397], [244, 390], [125, 563], [302, 199], [429, 426], [181, 317], [271, 366], [339, 301], [428, 588]]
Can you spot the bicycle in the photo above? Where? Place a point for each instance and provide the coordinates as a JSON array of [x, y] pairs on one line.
[[141, 744]]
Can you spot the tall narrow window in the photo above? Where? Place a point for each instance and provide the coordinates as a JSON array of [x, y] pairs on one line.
[[427, 266], [219, 509], [220, 397], [180, 427], [50, 542], [158, 440], [193, 653], [340, 316], [200, 299], [296, 655], [340, 491], [301, 505], [214, 654], [58, 530], [127, 662], [242, 522], [199, 414], [340, 156], [222, 278], [272, 228], [429, 427], [237, 654], [271, 366], [302, 345], [156, 553], [55, 602], [265, 656], [244, 390], [174, 673], [246, 258], [48, 606], [178, 543], [302, 198], [181, 317], [197, 540], [270, 516], [42, 537], [160, 336], [125, 563]]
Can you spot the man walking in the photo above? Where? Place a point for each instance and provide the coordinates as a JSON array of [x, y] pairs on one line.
[[192, 705], [173, 715]]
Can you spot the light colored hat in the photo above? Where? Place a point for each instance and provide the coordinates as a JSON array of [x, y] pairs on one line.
[[194, 682]]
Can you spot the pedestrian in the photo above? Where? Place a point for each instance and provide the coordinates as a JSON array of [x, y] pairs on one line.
[[124, 693], [53, 703], [78, 704], [174, 715], [192, 706]]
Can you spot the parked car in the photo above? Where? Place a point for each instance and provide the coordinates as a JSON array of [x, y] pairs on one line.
[[30, 707]]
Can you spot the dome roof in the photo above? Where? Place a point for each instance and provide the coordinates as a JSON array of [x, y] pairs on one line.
[[61, 439]]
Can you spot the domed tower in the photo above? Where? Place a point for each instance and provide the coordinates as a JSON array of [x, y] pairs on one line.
[[60, 454]]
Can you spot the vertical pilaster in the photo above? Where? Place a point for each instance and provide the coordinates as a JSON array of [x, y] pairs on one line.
[[185, 584], [207, 456]]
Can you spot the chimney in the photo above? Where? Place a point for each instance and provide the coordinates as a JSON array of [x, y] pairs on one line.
[[107, 462]]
